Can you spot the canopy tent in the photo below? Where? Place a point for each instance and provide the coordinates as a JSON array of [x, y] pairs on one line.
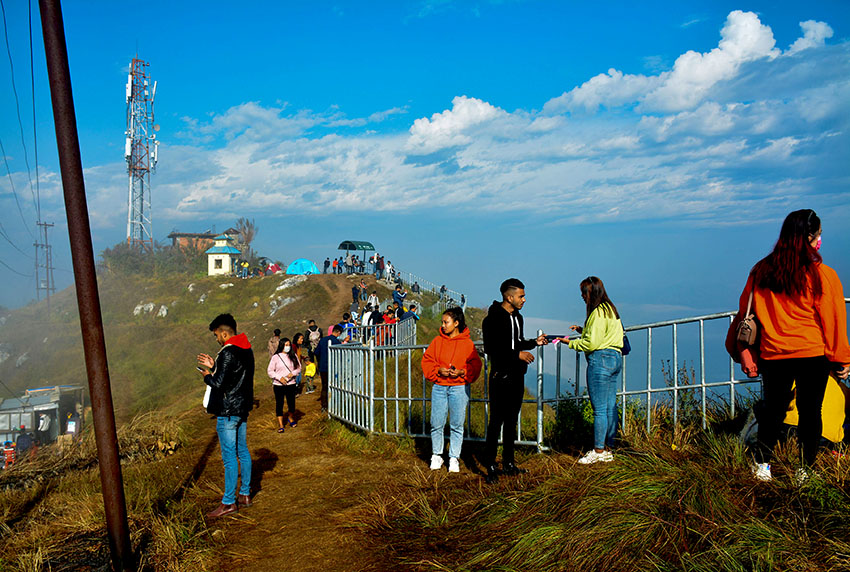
[[302, 266], [347, 245]]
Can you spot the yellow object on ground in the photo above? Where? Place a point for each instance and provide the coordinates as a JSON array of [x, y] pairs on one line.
[[833, 412]]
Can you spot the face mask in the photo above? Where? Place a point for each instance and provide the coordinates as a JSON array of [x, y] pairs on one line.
[[817, 244], [286, 349]]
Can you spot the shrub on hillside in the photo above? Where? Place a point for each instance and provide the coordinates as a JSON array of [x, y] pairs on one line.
[[125, 259]]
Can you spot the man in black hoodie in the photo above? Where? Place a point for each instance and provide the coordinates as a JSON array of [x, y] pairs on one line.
[[509, 359], [230, 377]]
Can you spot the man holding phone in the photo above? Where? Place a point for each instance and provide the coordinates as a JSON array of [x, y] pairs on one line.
[[230, 377], [509, 359]]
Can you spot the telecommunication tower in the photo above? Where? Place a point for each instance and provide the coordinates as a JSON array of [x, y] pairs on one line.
[[140, 150]]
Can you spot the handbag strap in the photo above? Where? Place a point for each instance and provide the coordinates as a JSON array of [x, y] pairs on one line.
[[749, 302]]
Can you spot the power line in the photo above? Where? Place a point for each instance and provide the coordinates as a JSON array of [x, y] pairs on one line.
[[34, 130], [15, 271], [12, 183], [17, 102], [9, 240]]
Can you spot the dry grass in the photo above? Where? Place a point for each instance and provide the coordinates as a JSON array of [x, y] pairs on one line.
[[680, 500]]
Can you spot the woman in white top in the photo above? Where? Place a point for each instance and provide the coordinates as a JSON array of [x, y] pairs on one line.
[[283, 369]]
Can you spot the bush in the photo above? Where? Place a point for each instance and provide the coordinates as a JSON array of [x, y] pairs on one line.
[[125, 259]]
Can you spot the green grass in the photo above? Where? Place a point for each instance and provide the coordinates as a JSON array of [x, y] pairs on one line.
[[695, 507]]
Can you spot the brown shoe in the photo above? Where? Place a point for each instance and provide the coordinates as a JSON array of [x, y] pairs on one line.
[[222, 510], [244, 500]]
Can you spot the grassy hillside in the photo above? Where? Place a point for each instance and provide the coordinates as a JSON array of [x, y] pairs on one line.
[[152, 356]]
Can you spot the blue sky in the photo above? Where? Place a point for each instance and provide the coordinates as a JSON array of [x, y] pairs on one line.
[[657, 145]]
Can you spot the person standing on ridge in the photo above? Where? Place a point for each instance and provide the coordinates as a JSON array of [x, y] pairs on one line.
[[313, 335], [230, 377], [326, 265], [373, 300], [284, 368], [602, 343], [399, 294], [509, 359], [273, 342], [451, 363], [331, 339], [799, 304]]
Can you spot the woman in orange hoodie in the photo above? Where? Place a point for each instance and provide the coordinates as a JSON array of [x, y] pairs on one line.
[[799, 304], [451, 363]]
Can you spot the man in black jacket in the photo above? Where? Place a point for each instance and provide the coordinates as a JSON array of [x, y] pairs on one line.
[[230, 377], [509, 359]]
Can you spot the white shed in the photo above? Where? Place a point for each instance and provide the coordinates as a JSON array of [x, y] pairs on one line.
[[221, 258]]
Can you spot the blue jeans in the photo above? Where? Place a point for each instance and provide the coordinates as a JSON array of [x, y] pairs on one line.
[[232, 436], [448, 400], [603, 377]]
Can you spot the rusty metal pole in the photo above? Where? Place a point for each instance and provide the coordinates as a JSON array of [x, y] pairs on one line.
[[85, 280]]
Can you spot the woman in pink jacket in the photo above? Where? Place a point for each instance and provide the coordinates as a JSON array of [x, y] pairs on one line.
[[283, 369]]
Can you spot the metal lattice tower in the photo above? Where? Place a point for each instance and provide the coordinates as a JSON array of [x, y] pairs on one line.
[[140, 150], [44, 263]]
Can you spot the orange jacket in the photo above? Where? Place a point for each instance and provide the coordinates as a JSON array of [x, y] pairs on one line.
[[801, 326], [458, 351]]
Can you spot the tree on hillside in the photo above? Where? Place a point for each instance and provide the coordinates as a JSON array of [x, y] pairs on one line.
[[247, 231]]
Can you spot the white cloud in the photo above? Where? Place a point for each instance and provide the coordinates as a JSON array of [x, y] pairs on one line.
[[449, 128], [772, 133], [610, 90], [814, 35], [743, 39]]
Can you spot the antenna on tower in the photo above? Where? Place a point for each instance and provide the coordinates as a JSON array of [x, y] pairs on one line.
[[141, 153]]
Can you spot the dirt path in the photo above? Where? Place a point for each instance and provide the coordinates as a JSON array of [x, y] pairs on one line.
[[303, 488]]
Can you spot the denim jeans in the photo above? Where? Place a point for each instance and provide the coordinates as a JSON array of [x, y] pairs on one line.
[[448, 400], [232, 436], [603, 377]]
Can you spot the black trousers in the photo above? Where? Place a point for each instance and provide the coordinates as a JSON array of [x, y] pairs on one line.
[[811, 375], [323, 395], [282, 392], [506, 393]]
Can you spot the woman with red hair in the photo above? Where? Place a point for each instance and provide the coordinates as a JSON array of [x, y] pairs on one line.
[[799, 305]]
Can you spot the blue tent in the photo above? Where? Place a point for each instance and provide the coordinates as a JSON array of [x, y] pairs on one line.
[[302, 266]]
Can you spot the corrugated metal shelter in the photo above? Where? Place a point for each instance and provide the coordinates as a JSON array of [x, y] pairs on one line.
[[55, 401]]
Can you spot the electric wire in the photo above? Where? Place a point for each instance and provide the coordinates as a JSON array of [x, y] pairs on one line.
[[9, 240], [14, 396], [15, 271], [17, 102], [14, 192], [34, 130]]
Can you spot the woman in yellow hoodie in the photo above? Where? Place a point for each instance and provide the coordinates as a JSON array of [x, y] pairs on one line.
[[451, 363], [602, 343]]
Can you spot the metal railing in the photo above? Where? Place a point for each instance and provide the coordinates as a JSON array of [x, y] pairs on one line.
[[409, 278], [401, 333], [381, 388]]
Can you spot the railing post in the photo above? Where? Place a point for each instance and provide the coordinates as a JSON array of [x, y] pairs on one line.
[[675, 376], [539, 395], [371, 415], [648, 379]]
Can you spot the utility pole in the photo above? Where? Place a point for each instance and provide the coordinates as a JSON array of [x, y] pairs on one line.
[[140, 151], [85, 280], [43, 260]]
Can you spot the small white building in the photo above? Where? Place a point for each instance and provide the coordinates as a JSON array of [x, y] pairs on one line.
[[221, 258]]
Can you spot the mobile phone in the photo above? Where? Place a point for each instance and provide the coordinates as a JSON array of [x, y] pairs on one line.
[[200, 369], [552, 338]]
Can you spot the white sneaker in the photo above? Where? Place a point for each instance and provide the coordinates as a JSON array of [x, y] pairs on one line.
[[454, 466], [801, 475], [436, 462], [593, 457], [761, 471]]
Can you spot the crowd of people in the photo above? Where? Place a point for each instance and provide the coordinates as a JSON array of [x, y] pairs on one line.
[[795, 299], [354, 264]]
